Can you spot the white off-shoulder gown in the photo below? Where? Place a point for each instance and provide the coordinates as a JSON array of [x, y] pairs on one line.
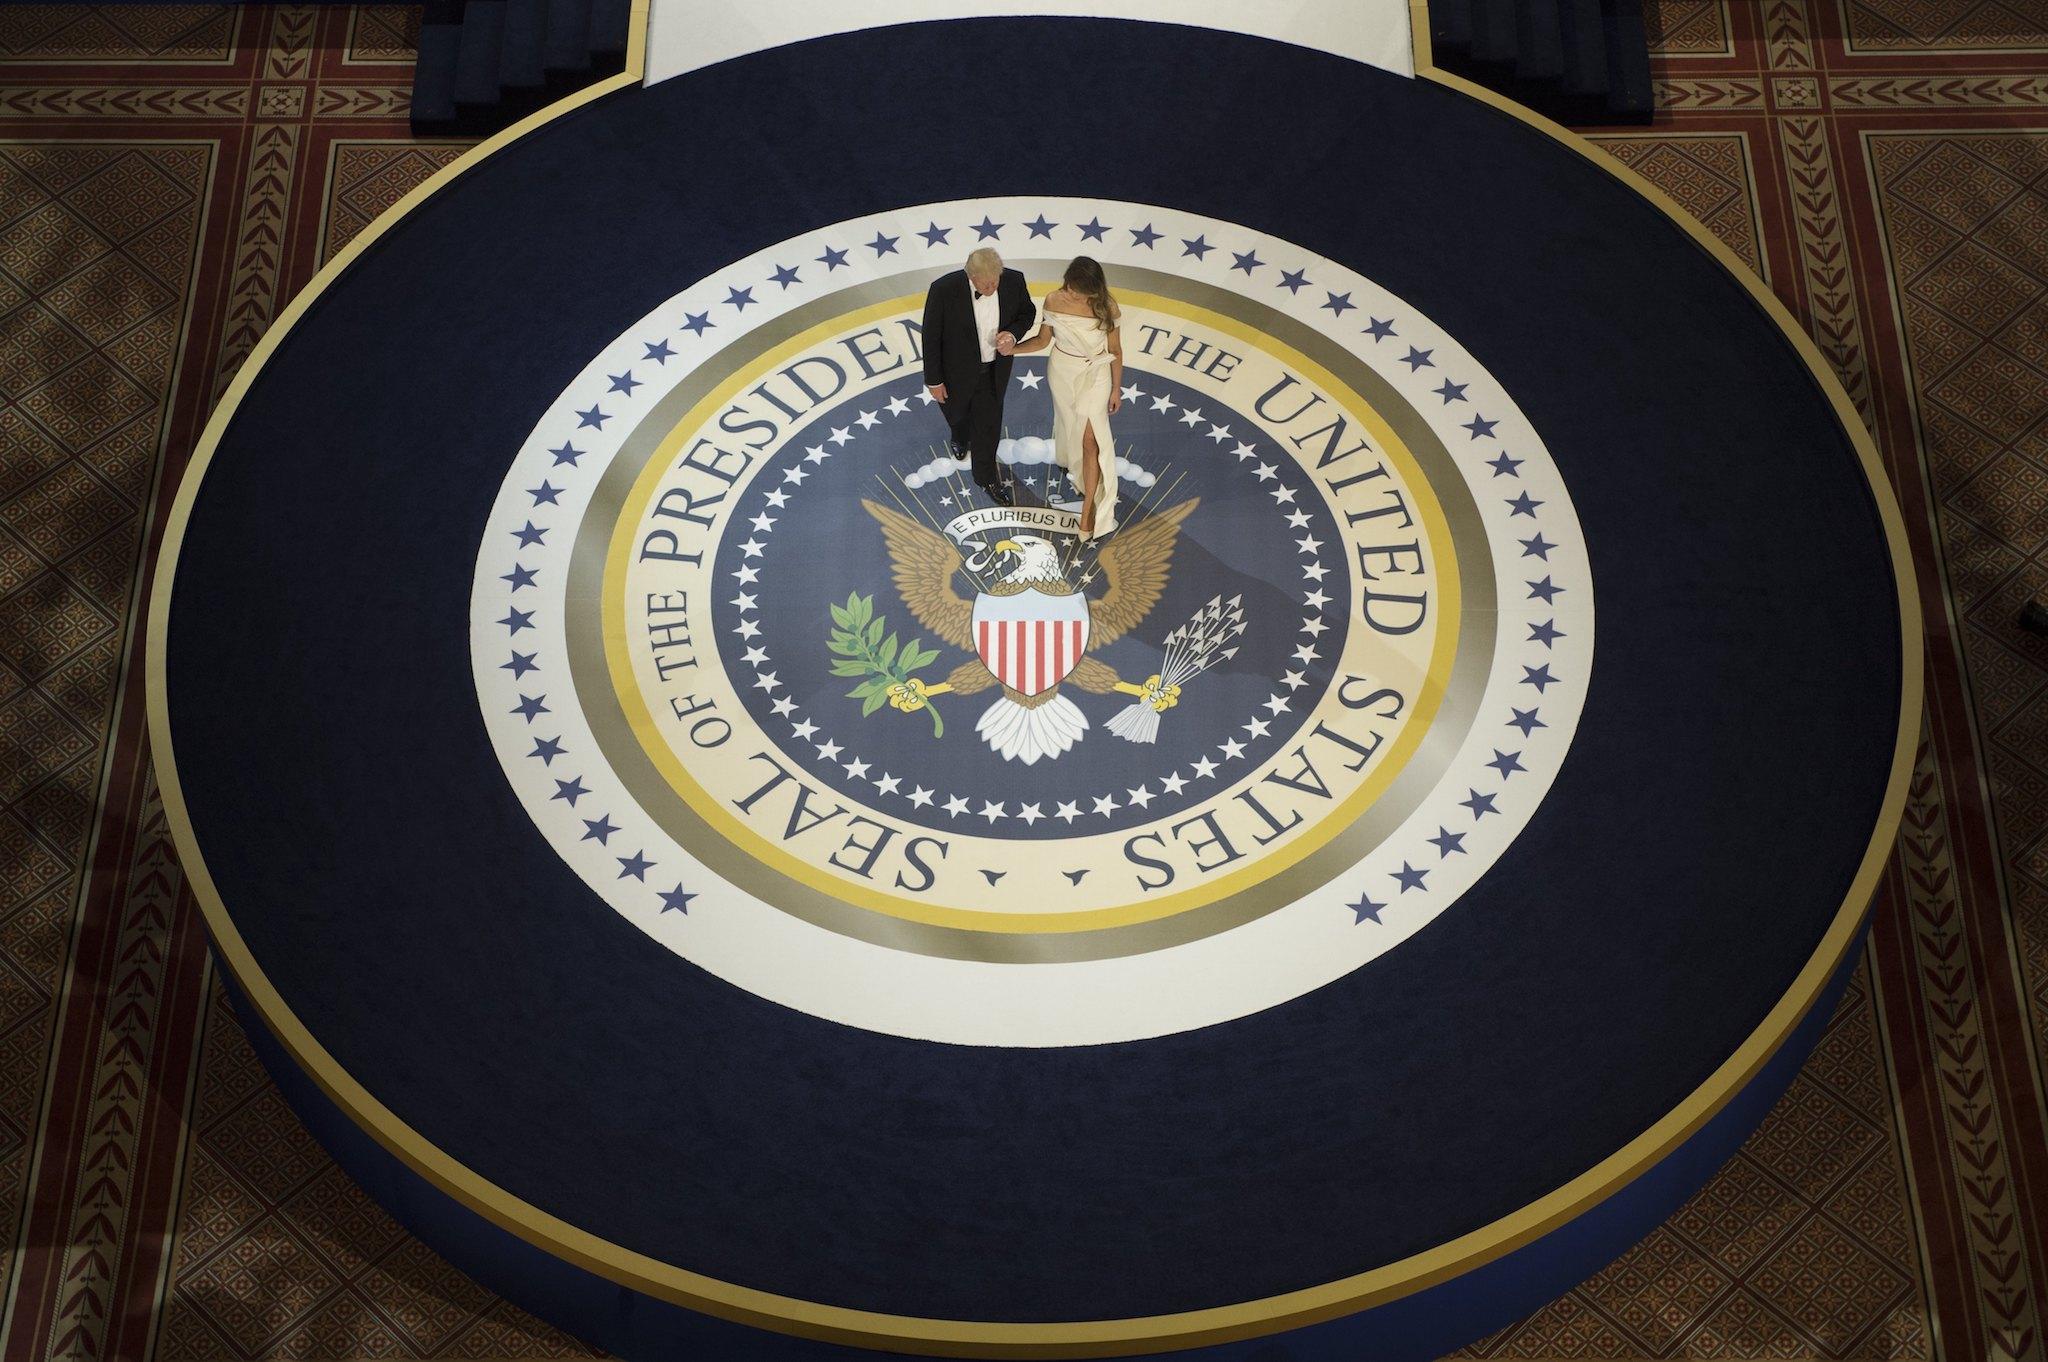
[[1079, 370]]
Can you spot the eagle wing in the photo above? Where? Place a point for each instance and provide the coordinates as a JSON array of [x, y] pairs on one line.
[[923, 562], [1092, 675], [970, 676], [1135, 561]]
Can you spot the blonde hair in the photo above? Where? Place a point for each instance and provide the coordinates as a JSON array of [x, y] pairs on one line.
[[985, 264]]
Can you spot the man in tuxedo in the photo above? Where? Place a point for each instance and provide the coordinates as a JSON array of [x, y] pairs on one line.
[[966, 315]]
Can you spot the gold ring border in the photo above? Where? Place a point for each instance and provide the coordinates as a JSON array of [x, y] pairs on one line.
[[1089, 1338]]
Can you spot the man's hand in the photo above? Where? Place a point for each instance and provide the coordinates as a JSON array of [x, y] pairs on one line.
[[1005, 343], [938, 392]]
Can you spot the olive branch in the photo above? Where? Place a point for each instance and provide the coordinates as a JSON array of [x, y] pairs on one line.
[[885, 663]]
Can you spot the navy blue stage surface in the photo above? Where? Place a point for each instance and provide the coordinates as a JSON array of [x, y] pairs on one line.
[[739, 891]]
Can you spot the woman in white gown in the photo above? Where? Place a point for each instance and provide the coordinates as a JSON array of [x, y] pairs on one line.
[[1080, 322]]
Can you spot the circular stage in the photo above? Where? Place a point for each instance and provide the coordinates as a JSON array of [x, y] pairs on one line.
[[729, 884]]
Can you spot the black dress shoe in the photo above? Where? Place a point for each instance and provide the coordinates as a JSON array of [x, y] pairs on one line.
[[999, 494]]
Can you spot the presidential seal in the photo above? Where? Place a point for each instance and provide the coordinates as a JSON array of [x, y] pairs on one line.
[[789, 694]]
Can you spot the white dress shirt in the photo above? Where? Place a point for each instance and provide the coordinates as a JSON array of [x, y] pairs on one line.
[[987, 313]]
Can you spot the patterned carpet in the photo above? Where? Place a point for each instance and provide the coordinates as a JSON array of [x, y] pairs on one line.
[[169, 175]]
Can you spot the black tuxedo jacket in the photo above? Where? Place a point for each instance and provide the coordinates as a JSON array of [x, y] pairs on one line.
[[952, 352]]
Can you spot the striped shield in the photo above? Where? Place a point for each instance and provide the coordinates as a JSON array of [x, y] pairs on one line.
[[1031, 640]]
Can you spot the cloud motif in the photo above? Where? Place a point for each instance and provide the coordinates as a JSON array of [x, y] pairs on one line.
[[1029, 451]]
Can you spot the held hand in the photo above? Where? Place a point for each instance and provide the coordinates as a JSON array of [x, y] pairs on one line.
[[938, 392], [1006, 344]]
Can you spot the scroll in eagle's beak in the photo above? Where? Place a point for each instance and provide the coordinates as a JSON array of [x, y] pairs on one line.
[[1008, 546]]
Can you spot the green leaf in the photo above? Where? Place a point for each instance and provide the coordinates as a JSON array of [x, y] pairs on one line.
[[873, 703], [844, 645], [878, 686], [887, 656], [915, 656], [839, 616], [850, 667], [874, 634]]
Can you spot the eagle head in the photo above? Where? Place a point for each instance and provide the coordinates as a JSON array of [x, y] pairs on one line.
[[1038, 561]]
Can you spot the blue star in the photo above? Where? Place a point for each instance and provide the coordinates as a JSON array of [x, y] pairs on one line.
[[1247, 262], [1545, 633], [697, 323], [1481, 805], [1447, 842], [1543, 591], [1198, 247], [520, 665], [738, 299], [528, 535], [547, 749], [1505, 465], [1539, 677], [600, 828], [785, 275], [1144, 236], [1040, 227], [571, 790], [519, 576], [1092, 229], [832, 259], [935, 235], [1507, 763], [546, 492], [658, 352], [530, 707], [637, 865], [1539, 547], [1479, 426], [624, 383], [882, 245], [1339, 303], [1526, 720], [1380, 330], [988, 229], [1523, 504], [675, 900], [1451, 392], [593, 417], [515, 620], [567, 454], [1293, 281], [1365, 910], [1417, 360], [1409, 876]]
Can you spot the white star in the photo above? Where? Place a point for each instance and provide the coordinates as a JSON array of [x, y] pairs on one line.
[[829, 750], [805, 729], [897, 406], [1293, 681], [840, 436], [1173, 783], [1315, 570], [1297, 519], [956, 806], [766, 681], [1131, 393], [1232, 749], [785, 706], [1029, 814], [1066, 812], [946, 500], [1219, 433], [1191, 416], [1309, 545], [1258, 728], [1307, 653], [755, 657], [867, 420], [763, 523], [1283, 494], [991, 811], [747, 629], [921, 797], [777, 498], [794, 475], [1205, 768], [855, 768], [888, 783], [1313, 627], [745, 600], [1031, 380], [1162, 403], [1265, 472], [752, 548], [1141, 797], [1243, 451], [1105, 805], [1277, 704], [816, 453]]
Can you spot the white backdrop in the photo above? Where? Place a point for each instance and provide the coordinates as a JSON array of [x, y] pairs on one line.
[[684, 35]]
